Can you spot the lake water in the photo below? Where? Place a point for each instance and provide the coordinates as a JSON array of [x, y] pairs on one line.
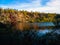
[[45, 31], [32, 36], [42, 25], [36, 26]]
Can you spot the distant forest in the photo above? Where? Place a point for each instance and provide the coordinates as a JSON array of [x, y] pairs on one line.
[[15, 16]]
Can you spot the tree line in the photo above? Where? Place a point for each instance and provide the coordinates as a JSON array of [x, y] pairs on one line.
[[13, 15]]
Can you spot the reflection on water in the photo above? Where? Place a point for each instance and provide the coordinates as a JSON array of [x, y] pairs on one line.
[[41, 28], [45, 31], [30, 36], [35, 26]]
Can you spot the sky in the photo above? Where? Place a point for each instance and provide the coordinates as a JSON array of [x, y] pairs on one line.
[[46, 6]]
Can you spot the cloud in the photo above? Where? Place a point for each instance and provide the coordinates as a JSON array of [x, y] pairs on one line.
[[53, 6]]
